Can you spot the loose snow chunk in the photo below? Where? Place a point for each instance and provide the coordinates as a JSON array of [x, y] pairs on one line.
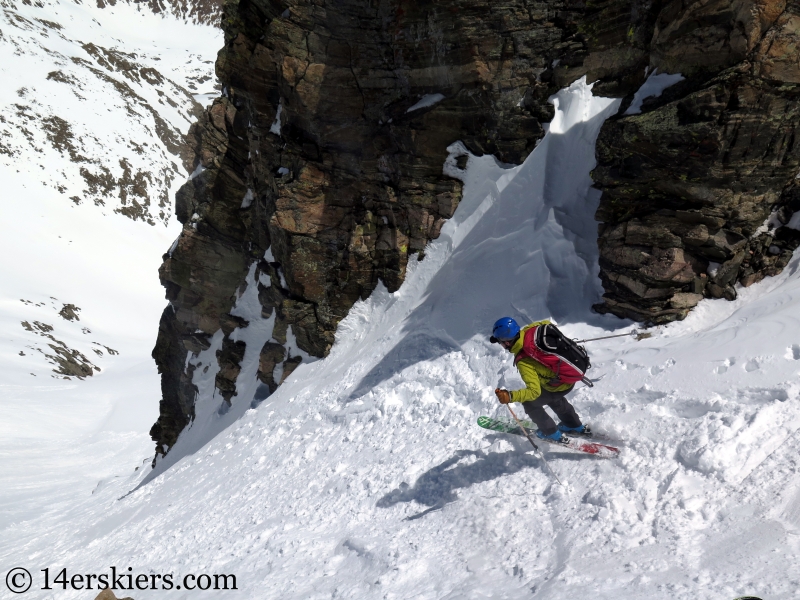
[[200, 168], [174, 245], [653, 87], [426, 101], [276, 126], [248, 199], [450, 167]]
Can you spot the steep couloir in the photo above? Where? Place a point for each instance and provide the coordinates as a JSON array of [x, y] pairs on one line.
[[322, 162]]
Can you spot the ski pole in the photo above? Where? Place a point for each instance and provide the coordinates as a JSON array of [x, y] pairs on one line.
[[535, 447], [640, 335]]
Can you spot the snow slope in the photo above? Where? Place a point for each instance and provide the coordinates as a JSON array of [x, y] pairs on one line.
[[365, 475], [59, 432], [96, 100]]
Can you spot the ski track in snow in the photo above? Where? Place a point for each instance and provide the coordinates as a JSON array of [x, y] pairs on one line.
[[365, 475]]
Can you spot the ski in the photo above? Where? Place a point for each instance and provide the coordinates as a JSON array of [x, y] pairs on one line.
[[573, 443], [507, 425]]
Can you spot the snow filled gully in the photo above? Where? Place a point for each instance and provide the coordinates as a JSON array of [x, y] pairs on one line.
[[365, 475]]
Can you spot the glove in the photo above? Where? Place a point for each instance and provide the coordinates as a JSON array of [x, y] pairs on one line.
[[504, 396]]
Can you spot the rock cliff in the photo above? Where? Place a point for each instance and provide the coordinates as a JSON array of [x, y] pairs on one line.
[[322, 162], [697, 187]]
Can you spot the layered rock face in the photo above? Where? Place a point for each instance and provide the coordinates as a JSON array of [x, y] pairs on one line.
[[689, 184], [322, 162]]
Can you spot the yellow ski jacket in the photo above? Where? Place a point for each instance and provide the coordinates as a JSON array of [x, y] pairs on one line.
[[533, 373]]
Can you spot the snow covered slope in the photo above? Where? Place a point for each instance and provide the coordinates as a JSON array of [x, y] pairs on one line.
[[94, 106], [365, 475], [96, 101]]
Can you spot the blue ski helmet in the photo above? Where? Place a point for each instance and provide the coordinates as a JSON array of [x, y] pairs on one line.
[[505, 329]]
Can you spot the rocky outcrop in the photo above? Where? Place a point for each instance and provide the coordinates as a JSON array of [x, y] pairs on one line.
[[67, 361], [107, 594], [322, 162], [206, 265], [690, 183], [207, 12]]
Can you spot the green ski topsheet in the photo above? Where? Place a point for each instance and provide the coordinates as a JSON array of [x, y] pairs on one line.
[[508, 425], [505, 425]]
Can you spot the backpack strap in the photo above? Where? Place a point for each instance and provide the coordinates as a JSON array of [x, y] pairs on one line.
[[528, 340]]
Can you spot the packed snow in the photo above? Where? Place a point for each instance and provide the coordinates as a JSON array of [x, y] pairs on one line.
[[365, 474], [653, 87], [426, 101]]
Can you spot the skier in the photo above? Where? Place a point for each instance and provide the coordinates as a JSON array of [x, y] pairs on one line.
[[540, 390]]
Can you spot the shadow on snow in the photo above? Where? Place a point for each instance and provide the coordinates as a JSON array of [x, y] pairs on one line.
[[437, 487], [533, 253]]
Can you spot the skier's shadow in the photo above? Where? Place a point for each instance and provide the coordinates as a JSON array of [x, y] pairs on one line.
[[438, 486], [412, 349]]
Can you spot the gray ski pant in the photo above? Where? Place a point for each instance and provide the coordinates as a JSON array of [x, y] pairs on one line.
[[558, 402]]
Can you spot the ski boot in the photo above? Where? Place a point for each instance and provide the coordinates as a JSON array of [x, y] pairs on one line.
[[556, 437], [581, 430]]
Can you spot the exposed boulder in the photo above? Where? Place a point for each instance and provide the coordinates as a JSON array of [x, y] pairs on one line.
[[107, 594], [272, 355], [69, 312]]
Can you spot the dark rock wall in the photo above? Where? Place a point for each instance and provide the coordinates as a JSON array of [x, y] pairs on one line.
[[688, 184], [344, 184], [312, 165]]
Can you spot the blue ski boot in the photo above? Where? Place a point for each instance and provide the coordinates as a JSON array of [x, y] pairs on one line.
[[581, 430], [553, 437]]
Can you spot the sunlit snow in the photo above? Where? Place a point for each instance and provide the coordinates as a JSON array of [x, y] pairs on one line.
[[59, 436], [653, 87], [365, 475]]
